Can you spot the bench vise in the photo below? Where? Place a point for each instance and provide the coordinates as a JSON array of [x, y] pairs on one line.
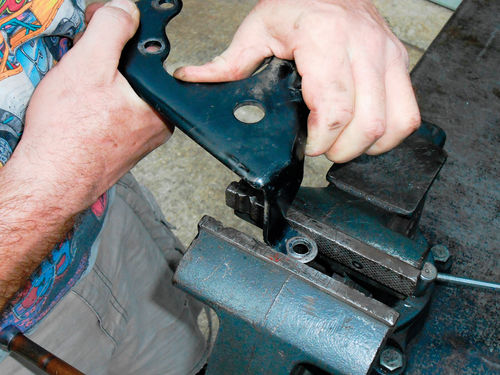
[[345, 288]]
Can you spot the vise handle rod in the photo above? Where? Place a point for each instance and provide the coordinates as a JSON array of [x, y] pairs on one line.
[[12, 340], [457, 280], [430, 274]]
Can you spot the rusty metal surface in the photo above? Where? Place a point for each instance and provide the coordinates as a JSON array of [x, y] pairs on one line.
[[458, 88]]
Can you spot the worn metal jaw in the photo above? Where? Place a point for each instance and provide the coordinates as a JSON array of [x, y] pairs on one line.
[[268, 154]]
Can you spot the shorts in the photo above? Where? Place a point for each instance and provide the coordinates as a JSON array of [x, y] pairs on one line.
[[125, 316]]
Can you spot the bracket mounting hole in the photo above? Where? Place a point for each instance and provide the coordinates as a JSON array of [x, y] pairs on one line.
[[163, 4], [249, 112], [151, 46]]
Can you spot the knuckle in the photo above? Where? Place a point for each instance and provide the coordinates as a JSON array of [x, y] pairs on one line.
[[336, 158], [376, 38], [406, 124], [345, 114], [414, 122], [117, 17], [334, 125], [398, 54], [234, 72], [330, 157], [378, 149], [374, 129]]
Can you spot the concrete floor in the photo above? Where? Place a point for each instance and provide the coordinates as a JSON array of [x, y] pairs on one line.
[[186, 180]]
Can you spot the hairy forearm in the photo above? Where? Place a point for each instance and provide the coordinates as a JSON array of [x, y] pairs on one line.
[[33, 219], [84, 129]]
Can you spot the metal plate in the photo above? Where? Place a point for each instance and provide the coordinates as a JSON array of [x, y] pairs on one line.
[[395, 181]]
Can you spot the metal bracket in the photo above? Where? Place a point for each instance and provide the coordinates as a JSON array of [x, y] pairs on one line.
[[268, 154]]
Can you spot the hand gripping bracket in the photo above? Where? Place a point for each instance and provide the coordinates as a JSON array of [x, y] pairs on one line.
[[268, 155]]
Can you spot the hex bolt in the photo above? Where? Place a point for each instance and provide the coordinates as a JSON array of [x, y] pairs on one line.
[[391, 359], [440, 253]]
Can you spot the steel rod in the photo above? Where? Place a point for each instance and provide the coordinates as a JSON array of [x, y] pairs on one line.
[[450, 279]]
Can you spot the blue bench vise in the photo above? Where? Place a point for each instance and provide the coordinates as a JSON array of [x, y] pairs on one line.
[[342, 292]]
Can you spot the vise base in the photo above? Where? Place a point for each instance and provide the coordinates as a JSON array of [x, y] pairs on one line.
[[277, 314]]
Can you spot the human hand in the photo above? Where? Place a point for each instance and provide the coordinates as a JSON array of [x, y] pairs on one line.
[[354, 71], [85, 126]]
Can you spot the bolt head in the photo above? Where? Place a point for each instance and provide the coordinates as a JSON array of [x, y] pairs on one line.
[[440, 253], [428, 273], [391, 359]]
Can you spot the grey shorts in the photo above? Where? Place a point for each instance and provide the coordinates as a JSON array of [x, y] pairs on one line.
[[125, 316]]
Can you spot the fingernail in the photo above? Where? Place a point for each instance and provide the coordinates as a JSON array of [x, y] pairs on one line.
[[179, 73], [126, 5]]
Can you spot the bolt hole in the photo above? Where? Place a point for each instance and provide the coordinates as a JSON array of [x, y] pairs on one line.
[[357, 265], [301, 248], [163, 4], [151, 46], [249, 112]]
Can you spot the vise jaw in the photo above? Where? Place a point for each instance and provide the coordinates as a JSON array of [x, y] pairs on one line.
[[365, 223], [277, 314]]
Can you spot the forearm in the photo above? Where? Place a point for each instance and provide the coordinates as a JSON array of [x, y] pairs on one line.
[[84, 129], [33, 219]]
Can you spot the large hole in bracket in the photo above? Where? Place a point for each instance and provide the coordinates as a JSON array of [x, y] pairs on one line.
[[249, 112]]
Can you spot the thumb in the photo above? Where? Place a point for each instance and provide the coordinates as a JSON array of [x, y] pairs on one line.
[[245, 53], [108, 30]]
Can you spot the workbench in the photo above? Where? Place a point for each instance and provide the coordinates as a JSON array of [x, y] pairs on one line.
[[457, 83]]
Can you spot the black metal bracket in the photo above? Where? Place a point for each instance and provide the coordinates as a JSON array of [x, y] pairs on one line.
[[268, 154]]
